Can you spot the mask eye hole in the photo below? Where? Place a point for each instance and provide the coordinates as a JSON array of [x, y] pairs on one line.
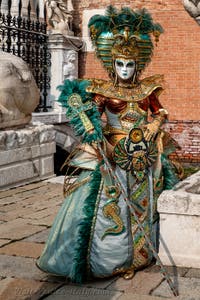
[[130, 65], [119, 63]]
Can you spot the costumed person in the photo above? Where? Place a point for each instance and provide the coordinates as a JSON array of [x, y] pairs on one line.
[[95, 234]]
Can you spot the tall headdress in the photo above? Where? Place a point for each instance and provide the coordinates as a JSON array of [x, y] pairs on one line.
[[125, 33]]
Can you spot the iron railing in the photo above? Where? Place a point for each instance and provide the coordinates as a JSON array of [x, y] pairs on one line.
[[26, 37]]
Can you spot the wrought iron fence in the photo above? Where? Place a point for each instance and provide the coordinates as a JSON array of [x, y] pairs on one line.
[[27, 38]]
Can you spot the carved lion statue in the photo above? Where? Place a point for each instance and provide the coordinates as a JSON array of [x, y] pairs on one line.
[[19, 94]]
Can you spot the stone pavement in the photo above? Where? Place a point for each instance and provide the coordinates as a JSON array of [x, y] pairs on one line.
[[26, 214]]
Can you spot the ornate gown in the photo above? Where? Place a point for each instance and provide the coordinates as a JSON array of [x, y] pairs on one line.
[[94, 233]]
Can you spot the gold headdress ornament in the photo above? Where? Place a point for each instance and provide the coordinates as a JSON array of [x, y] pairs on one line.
[[125, 45], [125, 33]]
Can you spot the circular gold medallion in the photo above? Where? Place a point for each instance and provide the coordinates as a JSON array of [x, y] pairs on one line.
[[75, 100], [136, 135]]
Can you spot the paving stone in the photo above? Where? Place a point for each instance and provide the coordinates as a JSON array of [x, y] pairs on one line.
[[171, 270], [14, 214], [20, 267], [9, 200], [48, 221], [18, 229], [39, 237], [82, 293], [131, 296], [187, 287], [191, 297], [136, 285], [23, 203], [42, 214], [193, 273], [21, 248], [50, 202], [4, 242], [21, 289], [57, 179], [100, 283]]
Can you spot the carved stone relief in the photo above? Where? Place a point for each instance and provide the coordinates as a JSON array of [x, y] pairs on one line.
[[19, 94], [60, 17], [193, 8], [70, 66]]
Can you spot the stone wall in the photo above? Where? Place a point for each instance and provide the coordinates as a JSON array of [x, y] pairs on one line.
[[179, 211], [26, 155]]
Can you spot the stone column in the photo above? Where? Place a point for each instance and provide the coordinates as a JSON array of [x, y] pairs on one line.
[[64, 63], [4, 6]]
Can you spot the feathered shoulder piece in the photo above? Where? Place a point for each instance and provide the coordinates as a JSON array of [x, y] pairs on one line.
[[81, 111]]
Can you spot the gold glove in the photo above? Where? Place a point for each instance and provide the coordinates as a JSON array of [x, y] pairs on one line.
[[151, 129]]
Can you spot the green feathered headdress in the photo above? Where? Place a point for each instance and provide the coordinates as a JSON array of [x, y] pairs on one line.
[[107, 32], [87, 109]]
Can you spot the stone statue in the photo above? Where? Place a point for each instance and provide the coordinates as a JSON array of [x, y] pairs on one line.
[[19, 94], [70, 66], [193, 8], [60, 16]]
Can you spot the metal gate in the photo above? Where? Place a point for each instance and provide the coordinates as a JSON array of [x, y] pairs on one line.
[[27, 38]]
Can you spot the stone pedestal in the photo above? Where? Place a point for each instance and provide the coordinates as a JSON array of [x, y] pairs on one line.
[[64, 63], [180, 224], [26, 155]]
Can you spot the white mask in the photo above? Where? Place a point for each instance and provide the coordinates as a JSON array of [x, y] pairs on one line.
[[125, 68]]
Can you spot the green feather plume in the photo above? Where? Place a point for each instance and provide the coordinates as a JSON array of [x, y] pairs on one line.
[[138, 21], [79, 87], [170, 177], [79, 272]]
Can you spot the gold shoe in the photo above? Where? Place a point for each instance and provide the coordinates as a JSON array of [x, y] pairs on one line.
[[129, 274]]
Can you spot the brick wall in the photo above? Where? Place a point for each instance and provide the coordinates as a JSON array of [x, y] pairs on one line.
[[187, 134], [177, 56]]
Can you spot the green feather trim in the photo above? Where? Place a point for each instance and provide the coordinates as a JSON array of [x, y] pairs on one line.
[[138, 21], [170, 177], [79, 87], [79, 272], [104, 28]]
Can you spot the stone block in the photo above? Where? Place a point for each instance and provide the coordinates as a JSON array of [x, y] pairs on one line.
[[18, 229], [39, 237], [188, 288], [75, 292], [47, 134], [20, 267], [179, 240], [35, 151], [47, 148], [42, 213], [46, 166], [193, 273], [25, 249], [14, 155], [60, 138], [47, 221], [26, 155], [136, 285], [179, 224], [22, 289], [4, 242], [16, 173], [130, 296]]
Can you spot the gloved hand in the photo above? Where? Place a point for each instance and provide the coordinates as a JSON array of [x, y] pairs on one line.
[[151, 129]]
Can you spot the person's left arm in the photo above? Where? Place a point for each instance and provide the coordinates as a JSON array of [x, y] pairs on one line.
[[159, 115]]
